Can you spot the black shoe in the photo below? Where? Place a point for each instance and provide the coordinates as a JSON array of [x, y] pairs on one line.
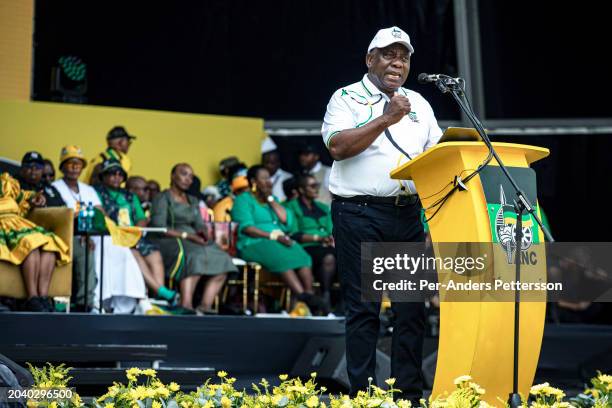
[[35, 304], [48, 303], [315, 303]]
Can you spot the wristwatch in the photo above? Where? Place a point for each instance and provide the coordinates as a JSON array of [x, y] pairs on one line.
[[270, 198]]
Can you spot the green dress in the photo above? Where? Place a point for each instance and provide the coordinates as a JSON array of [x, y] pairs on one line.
[[183, 258], [272, 255], [320, 225]]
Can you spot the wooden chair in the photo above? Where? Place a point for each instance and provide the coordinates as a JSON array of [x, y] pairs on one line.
[[58, 220]]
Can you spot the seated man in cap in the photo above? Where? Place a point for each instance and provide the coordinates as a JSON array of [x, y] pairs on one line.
[[118, 141], [30, 178], [124, 208]]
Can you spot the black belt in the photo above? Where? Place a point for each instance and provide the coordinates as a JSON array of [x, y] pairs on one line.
[[399, 200]]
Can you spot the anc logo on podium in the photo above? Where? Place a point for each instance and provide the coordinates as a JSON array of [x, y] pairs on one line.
[[502, 213]]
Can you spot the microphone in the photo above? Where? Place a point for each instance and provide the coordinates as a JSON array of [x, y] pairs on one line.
[[424, 78]]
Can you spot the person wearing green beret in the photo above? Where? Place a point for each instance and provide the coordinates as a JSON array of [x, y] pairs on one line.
[[312, 228]]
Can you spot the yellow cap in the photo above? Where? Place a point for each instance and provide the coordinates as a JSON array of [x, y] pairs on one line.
[[72, 152]]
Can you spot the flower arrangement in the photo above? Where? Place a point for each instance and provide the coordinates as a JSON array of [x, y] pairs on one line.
[[289, 393], [468, 394], [52, 377], [145, 390], [209, 395], [544, 395], [373, 397], [597, 396], [150, 393]]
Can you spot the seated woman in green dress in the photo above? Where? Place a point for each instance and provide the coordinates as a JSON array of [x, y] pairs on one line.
[[313, 230], [187, 252], [263, 228], [125, 209]]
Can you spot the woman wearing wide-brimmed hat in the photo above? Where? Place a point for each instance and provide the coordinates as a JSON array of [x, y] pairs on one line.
[[123, 281]]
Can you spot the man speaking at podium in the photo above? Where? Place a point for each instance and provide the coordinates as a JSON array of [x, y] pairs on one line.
[[370, 128]]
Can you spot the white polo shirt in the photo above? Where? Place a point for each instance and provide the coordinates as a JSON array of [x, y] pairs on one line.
[[368, 173]]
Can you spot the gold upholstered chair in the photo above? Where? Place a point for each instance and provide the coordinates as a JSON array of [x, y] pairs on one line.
[[60, 221]]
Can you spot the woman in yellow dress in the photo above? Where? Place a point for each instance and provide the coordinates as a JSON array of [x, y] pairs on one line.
[[26, 244]]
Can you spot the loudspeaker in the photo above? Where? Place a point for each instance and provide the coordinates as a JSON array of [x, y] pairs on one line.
[[326, 356]]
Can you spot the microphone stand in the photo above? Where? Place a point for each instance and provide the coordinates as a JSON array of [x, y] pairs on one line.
[[450, 85]]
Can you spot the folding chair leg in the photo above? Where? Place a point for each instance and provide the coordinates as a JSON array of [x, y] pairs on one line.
[[288, 300], [256, 289], [245, 287]]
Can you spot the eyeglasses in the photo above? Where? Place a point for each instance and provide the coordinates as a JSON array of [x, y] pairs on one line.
[[392, 55]]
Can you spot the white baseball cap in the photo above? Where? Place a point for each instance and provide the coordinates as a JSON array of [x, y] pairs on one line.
[[388, 36], [268, 145]]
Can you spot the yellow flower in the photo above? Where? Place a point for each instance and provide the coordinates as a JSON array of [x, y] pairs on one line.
[[221, 374], [297, 389], [162, 392], [149, 372], [283, 377], [312, 402], [313, 374], [404, 404], [138, 393], [133, 371], [174, 387], [538, 388], [390, 381], [53, 404], [277, 399], [462, 379], [76, 400], [264, 399], [109, 405], [226, 402], [156, 404], [605, 378], [208, 404], [374, 402], [185, 404]]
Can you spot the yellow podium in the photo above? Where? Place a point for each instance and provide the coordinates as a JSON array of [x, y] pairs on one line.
[[476, 338]]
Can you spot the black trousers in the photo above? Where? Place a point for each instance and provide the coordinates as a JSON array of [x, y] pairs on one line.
[[372, 222]]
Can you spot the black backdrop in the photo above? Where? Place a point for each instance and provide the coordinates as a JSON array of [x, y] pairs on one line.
[[545, 59], [274, 59]]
